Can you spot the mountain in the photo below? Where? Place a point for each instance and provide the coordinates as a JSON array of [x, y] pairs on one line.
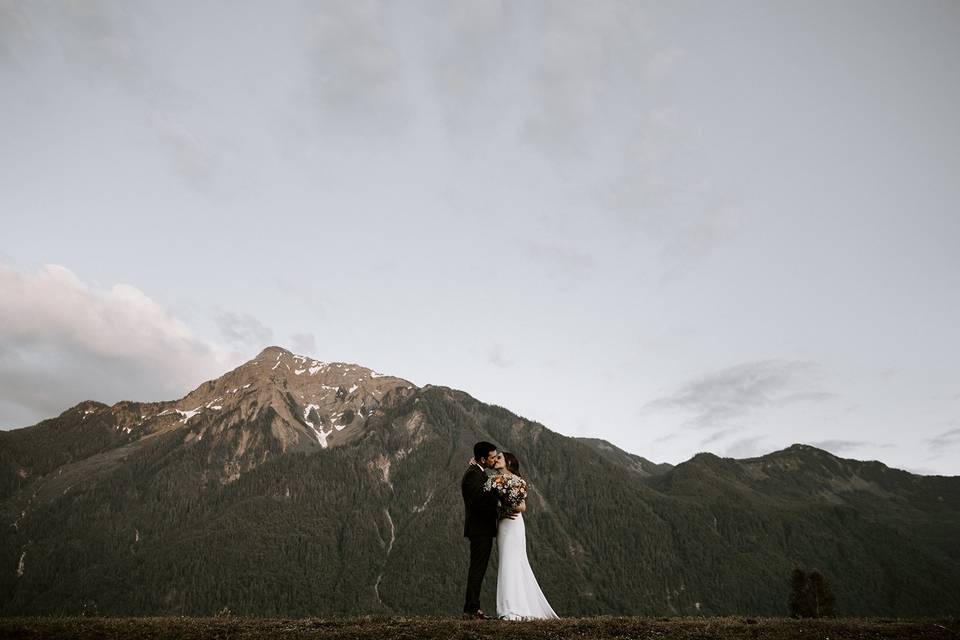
[[294, 487], [620, 457], [275, 404]]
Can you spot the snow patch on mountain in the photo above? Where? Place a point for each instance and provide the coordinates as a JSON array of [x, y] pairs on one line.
[[188, 414], [321, 436]]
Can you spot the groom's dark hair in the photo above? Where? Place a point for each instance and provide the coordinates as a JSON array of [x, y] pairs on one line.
[[482, 449]]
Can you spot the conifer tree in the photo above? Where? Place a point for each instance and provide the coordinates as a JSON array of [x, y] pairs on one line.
[[799, 594], [810, 594], [821, 594]]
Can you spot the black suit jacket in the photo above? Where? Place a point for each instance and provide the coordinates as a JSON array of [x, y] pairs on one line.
[[480, 506]]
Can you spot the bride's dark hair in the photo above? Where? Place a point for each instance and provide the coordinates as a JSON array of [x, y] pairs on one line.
[[513, 465]]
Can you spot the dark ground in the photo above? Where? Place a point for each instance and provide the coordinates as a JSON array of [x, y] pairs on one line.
[[398, 628]]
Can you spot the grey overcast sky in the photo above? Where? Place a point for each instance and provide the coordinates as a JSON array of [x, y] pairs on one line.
[[679, 226]]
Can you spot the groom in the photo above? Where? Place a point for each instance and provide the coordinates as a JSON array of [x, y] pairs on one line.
[[480, 523]]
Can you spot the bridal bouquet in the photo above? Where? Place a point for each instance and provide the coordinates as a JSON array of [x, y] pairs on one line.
[[512, 490]]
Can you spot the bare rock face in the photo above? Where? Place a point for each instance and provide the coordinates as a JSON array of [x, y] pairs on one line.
[[279, 402], [312, 403]]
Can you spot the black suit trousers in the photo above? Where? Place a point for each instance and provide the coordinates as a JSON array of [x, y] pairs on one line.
[[480, 548]]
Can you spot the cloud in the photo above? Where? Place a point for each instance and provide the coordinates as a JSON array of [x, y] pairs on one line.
[[304, 343], [648, 195], [356, 70], [841, 446], [583, 58], [65, 341], [945, 440], [745, 447], [244, 330], [587, 92], [98, 56], [14, 31], [191, 158], [665, 62], [561, 262], [476, 60], [667, 437], [719, 435], [691, 242], [496, 357], [305, 295], [99, 42], [720, 396]]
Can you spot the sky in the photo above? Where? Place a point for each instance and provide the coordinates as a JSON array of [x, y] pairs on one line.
[[680, 227]]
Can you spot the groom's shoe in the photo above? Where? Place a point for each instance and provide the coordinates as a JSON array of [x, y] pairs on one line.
[[477, 615]]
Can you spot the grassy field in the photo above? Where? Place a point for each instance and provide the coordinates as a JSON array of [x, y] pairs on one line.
[[398, 628]]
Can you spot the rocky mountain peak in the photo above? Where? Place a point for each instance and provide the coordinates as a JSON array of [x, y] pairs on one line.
[[283, 401], [278, 402], [799, 448], [272, 351]]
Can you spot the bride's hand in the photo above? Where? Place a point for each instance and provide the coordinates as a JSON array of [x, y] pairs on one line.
[[520, 508]]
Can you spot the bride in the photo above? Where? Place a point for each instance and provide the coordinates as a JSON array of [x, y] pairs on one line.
[[518, 595]]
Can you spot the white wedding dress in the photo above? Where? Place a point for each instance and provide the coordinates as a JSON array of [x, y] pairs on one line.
[[518, 595]]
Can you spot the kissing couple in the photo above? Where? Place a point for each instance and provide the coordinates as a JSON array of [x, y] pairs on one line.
[[494, 498]]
